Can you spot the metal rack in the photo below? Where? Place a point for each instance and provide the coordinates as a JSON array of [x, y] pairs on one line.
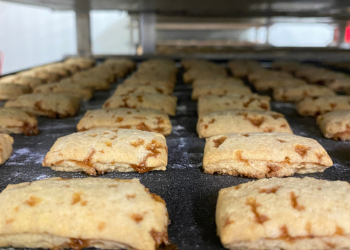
[[151, 12]]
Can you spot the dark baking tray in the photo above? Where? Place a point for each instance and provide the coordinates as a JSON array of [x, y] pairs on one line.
[[190, 194]]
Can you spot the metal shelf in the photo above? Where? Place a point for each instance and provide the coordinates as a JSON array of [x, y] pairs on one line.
[[223, 8]]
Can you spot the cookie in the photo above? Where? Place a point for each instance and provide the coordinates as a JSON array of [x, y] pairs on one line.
[[242, 68], [241, 121], [260, 155], [211, 103], [296, 93], [284, 213], [142, 119], [161, 85], [96, 74], [271, 84], [87, 82], [11, 91], [82, 63], [54, 105], [224, 81], [335, 125], [55, 213], [314, 106], [161, 102], [287, 66], [76, 90], [21, 80], [105, 150], [340, 85], [42, 74], [198, 74], [268, 75], [216, 89], [16, 121], [123, 89], [6, 149]]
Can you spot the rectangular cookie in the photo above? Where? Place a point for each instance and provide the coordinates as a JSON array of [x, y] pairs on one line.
[[164, 84], [284, 213], [41, 74], [123, 89], [81, 62], [106, 150], [11, 91], [197, 74], [271, 84], [161, 102], [76, 90], [82, 213], [296, 93], [6, 149], [16, 121], [229, 81], [142, 119], [54, 105], [340, 85], [335, 125], [216, 89], [260, 155], [268, 75], [242, 68], [286, 66], [211, 103], [88, 82], [314, 106], [241, 121], [21, 80]]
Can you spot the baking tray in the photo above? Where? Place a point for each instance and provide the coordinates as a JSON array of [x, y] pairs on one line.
[[190, 194]]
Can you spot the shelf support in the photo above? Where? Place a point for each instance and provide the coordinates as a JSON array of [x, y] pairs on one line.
[[148, 33], [82, 16]]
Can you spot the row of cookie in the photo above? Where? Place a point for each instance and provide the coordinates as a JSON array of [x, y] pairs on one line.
[[265, 214], [333, 111], [24, 82], [150, 86], [80, 83]]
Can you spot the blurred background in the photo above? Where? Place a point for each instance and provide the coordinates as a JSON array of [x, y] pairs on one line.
[[34, 32]]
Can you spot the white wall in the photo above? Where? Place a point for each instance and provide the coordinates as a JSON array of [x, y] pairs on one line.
[[31, 36]]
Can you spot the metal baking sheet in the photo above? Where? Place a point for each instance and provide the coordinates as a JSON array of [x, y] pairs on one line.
[[190, 194]]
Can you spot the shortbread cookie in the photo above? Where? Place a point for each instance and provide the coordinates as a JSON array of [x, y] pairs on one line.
[[260, 155], [296, 93], [335, 125], [54, 105], [16, 121], [216, 89], [229, 81], [268, 75], [129, 89], [81, 62], [340, 85], [142, 119], [164, 84], [211, 103], [161, 102], [194, 75], [314, 106], [82, 213], [105, 150], [285, 213], [287, 66], [241, 121], [6, 149], [270, 84], [76, 90], [41, 74], [21, 80], [242, 68], [11, 91], [88, 82]]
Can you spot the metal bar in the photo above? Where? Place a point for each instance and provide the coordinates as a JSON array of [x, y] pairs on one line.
[[148, 33], [83, 33]]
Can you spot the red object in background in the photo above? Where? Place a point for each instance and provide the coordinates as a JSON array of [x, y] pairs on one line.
[[1, 61], [347, 33]]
